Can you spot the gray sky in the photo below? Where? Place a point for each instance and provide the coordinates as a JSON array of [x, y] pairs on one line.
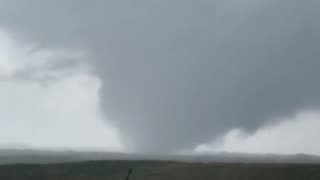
[[174, 75]]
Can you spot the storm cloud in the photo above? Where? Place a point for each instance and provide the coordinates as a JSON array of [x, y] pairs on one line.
[[178, 73]]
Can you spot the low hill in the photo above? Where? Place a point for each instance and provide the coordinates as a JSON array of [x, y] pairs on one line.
[[31, 156]]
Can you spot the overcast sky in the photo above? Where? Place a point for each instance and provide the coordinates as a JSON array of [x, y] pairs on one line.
[[161, 76]]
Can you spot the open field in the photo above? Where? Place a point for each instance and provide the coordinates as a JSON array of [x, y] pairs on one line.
[[156, 170]]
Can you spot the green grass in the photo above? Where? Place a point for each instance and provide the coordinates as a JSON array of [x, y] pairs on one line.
[[156, 170]]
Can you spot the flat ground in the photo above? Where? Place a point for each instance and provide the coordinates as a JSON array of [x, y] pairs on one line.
[[155, 170]]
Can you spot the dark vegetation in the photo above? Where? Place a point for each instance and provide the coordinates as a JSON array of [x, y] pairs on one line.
[[156, 170]]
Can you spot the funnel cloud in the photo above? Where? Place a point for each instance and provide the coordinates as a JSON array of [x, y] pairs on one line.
[[180, 73]]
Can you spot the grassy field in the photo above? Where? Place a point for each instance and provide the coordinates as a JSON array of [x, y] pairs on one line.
[[155, 170]]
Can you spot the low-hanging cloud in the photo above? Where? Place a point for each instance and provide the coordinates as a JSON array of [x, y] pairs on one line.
[[177, 73], [291, 135], [46, 107]]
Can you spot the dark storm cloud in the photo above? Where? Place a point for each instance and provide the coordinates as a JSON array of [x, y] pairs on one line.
[[177, 73]]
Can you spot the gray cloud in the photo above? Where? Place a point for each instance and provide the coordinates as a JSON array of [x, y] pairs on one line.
[[177, 73]]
